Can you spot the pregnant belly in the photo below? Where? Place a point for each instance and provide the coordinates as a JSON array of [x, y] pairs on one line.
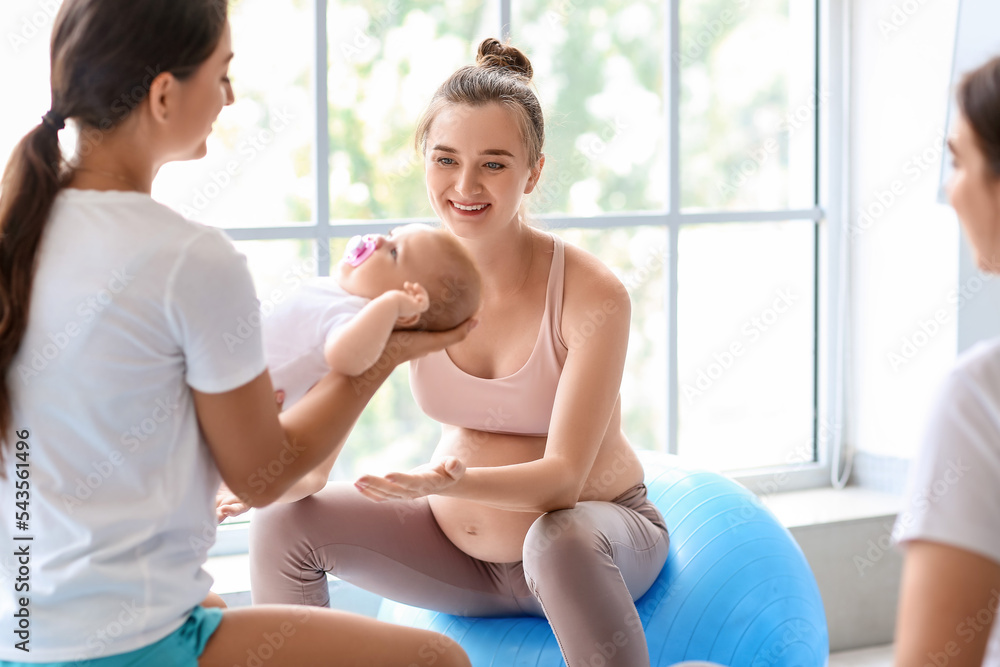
[[484, 532]]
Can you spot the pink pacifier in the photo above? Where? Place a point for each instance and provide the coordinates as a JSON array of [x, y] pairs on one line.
[[359, 248]]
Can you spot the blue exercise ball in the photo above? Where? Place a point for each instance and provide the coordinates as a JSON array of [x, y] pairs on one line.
[[736, 589]]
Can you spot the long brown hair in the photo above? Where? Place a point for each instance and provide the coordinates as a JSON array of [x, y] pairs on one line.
[[104, 55], [979, 102]]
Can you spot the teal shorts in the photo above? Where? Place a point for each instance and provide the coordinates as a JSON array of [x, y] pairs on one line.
[[181, 648]]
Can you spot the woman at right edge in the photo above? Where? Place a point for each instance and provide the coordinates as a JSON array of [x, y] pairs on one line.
[[950, 591], [541, 508]]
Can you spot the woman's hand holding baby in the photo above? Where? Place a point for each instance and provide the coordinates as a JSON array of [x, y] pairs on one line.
[[424, 480]]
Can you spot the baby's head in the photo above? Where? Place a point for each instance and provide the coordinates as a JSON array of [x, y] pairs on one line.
[[421, 254], [450, 278]]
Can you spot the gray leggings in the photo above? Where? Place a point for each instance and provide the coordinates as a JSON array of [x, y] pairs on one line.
[[582, 567]]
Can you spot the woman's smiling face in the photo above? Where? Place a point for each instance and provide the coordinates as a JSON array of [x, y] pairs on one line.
[[477, 169]]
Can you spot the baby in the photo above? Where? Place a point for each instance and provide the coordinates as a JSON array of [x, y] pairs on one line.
[[416, 277]]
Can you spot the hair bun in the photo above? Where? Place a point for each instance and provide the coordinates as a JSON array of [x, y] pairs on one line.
[[494, 55]]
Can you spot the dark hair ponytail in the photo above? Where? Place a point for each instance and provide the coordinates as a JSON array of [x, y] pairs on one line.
[[979, 101], [104, 55]]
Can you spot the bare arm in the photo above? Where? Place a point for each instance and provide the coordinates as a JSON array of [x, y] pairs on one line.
[[229, 504], [947, 604], [260, 457], [585, 399], [358, 344]]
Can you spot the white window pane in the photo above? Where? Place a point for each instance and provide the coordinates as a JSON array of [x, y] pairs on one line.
[[599, 74], [386, 61], [259, 168], [24, 61], [745, 343], [278, 267], [747, 104]]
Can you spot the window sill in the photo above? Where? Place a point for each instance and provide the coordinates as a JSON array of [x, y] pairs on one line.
[[817, 507]]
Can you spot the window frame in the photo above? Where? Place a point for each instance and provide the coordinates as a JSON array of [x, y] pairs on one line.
[[827, 214]]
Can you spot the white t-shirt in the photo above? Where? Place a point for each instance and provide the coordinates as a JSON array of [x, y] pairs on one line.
[[296, 332], [953, 495], [131, 305]]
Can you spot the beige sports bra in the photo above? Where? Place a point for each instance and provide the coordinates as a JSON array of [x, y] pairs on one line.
[[518, 403]]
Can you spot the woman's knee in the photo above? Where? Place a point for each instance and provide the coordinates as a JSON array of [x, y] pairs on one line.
[[288, 524], [554, 537], [276, 524]]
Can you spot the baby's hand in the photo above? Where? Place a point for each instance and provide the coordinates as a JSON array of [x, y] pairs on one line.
[[413, 299], [228, 504]]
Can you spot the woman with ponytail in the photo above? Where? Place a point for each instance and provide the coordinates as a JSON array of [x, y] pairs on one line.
[[548, 516], [950, 528], [124, 401]]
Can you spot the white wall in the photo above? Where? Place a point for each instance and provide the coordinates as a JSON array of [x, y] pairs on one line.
[[25, 29], [905, 250]]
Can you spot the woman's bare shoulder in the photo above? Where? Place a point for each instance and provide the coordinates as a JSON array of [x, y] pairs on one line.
[[589, 280], [591, 290]]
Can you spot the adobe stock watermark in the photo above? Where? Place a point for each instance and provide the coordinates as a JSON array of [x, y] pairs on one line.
[[605, 651], [294, 276], [966, 630], [353, 50], [794, 631], [163, 410], [610, 476], [883, 200], [591, 145], [559, 12], [796, 459], [38, 22], [703, 37], [270, 643], [37, 360], [751, 332], [99, 643], [268, 474], [258, 481], [496, 419], [593, 320], [121, 108], [430, 652], [558, 522], [794, 120], [655, 260], [249, 148], [396, 349], [932, 494], [928, 328], [414, 159], [900, 14]]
